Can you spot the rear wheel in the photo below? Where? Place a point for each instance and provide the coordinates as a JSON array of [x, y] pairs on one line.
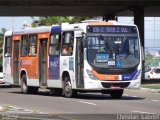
[[116, 94], [67, 88], [27, 89]]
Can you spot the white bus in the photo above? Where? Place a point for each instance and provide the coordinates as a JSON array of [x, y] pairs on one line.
[[106, 58], [85, 57]]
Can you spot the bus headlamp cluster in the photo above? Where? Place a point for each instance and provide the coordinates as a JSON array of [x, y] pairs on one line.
[[90, 74]]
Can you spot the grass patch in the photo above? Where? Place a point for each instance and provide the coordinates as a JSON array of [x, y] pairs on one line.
[[155, 86]]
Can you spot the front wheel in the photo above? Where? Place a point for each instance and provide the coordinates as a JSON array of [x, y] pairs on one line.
[[67, 88], [116, 94]]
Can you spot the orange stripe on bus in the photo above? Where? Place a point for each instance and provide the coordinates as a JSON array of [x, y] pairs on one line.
[[43, 35], [17, 37], [106, 77], [99, 23]]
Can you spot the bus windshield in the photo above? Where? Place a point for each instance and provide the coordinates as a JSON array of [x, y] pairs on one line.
[[113, 51]]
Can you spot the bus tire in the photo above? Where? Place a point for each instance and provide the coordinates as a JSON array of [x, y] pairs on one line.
[[24, 88], [67, 88], [27, 89], [116, 94]]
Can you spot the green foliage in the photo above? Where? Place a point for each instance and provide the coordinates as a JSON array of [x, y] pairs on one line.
[[3, 30], [1, 48], [148, 58], [57, 20], [152, 86]]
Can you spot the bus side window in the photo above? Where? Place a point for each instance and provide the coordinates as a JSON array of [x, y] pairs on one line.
[[67, 45], [32, 45], [24, 45], [8, 47], [54, 48]]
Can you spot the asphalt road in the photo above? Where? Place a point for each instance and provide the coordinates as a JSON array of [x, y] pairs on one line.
[[132, 102]]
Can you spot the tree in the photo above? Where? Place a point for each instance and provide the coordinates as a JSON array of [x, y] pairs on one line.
[[1, 48], [148, 58], [57, 20], [3, 30]]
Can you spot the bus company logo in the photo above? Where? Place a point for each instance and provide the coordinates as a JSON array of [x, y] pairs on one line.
[[116, 77], [54, 64], [64, 63], [27, 62], [127, 77]]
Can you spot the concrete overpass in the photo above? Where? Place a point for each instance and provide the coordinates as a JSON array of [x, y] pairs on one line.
[[77, 7]]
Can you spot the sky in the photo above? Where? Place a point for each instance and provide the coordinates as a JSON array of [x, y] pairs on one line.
[[152, 28], [152, 32], [16, 22]]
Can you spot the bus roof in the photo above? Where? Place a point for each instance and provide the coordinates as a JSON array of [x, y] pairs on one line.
[[8, 33], [110, 22], [41, 29], [67, 26]]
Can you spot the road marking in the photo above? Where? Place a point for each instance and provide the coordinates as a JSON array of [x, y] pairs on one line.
[[87, 103], [34, 118], [142, 112], [134, 96], [155, 100], [67, 118]]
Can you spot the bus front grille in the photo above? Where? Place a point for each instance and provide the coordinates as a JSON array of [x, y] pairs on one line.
[[121, 85]]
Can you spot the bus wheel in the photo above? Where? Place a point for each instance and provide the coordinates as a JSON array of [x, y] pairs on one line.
[[67, 88], [27, 89], [24, 88], [116, 94]]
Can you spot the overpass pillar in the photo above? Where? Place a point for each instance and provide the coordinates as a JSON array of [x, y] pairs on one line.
[[139, 21]]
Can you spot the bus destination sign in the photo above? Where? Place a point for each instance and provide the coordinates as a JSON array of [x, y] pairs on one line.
[[112, 29]]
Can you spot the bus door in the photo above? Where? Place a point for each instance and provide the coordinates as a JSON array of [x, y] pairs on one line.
[[79, 63], [43, 62], [16, 62]]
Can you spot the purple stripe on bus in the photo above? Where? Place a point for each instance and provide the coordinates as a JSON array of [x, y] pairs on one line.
[[54, 67], [129, 76]]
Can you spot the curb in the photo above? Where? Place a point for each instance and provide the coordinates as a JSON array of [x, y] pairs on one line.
[[150, 90]]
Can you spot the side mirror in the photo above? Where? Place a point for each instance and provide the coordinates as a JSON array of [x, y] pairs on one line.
[[84, 42]]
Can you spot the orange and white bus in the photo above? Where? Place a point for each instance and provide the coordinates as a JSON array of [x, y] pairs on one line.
[[86, 57]]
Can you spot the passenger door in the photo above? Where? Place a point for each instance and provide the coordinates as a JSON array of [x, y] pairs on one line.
[[79, 63], [43, 62], [16, 62]]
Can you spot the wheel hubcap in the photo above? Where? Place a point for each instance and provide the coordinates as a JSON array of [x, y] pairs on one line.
[[24, 86], [68, 87]]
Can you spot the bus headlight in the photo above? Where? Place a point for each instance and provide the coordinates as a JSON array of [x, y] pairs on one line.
[[138, 75], [90, 74]]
